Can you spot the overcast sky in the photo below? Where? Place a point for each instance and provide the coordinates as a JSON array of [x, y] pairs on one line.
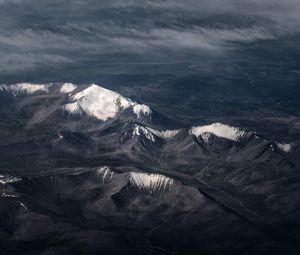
[[36, 34]]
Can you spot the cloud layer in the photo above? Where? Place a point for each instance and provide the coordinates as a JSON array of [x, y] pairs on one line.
[[38, 34]]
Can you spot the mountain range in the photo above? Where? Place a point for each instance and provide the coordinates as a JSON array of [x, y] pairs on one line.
[[89, 170]]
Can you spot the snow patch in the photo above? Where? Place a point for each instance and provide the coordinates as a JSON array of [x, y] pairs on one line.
[[164, 134], [72, 108], [25, 88], [4, 179], [286, 147], [218, 129], [141, 109], [151, 133], [23, 205], [205, 137], [151, 183], [105, 174], [139, 130], [102, 103], [8, 195], [67, 88], [7, 179]]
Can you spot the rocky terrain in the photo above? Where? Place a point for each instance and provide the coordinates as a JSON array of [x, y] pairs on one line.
[[85, 170]]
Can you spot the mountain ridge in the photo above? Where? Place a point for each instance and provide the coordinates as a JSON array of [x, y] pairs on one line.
[[118, 166]]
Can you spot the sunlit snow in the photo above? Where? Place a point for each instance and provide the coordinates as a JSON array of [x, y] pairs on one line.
[[218, 129], [102, 103]]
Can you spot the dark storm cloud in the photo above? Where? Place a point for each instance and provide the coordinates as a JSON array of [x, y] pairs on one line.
[[42, 33]]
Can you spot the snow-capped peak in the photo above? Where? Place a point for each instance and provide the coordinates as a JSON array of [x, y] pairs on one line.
[[151, 183], [102, 103], [67, 88], [25, 88], [218, 129]]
